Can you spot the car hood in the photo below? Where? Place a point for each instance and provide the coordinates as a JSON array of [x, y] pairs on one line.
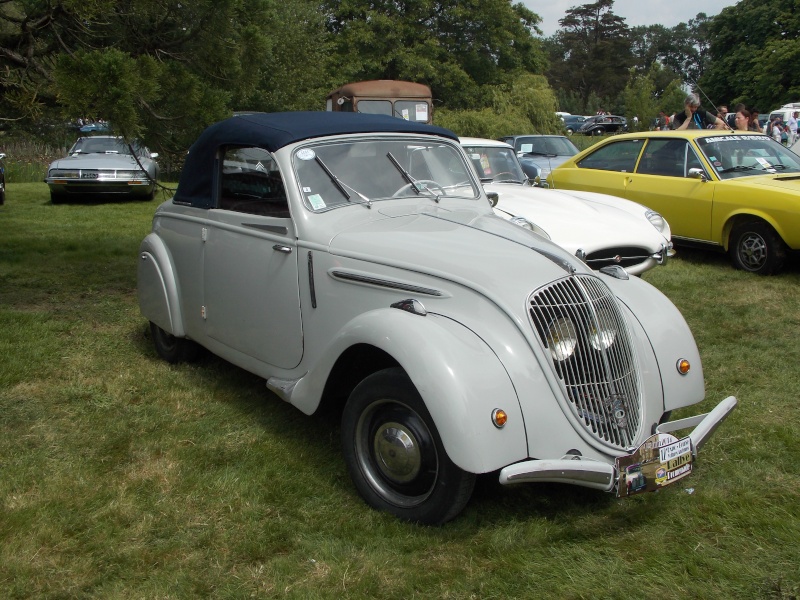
[[97, 161], [469, 247], [573, 221], [789, 183], [547, 163]]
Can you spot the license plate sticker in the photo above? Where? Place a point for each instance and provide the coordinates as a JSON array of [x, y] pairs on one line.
[[660, 461]]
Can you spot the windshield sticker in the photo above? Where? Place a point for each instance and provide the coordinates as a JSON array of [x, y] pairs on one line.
[[526, 148], [405, 114], [422, 112], [764, 162], [305, 154], [316, 201]]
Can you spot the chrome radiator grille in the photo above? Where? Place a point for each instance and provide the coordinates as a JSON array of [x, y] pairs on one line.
[[584, 333]]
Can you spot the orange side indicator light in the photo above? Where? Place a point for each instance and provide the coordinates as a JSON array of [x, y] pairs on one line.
[[499, 417]]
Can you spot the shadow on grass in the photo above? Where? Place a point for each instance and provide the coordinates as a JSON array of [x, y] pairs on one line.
[[718, 258], [491, 503]]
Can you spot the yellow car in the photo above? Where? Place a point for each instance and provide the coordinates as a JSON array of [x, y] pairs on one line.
[[735, 191]]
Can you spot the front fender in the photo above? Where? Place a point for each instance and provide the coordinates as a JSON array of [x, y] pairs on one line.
[[457, 374], [157, 288], [670, 338]]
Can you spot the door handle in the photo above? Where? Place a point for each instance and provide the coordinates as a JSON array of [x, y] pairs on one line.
[[282, 248]]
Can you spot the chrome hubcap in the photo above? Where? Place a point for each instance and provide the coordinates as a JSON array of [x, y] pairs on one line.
[[397, 453], [752, 251]]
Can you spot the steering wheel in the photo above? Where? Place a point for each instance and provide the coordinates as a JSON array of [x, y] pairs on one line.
[[428, 183], [503, 173]]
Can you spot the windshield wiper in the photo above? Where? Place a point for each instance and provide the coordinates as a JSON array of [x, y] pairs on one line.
[[540, 153], [413, 184], [739, 168], [340, 185]]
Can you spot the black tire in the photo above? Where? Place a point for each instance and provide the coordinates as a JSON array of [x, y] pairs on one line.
[[57, 198], [173, 349], [756, 247], [383, 415]]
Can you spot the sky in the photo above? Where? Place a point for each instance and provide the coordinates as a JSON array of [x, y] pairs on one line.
[[635, 12]]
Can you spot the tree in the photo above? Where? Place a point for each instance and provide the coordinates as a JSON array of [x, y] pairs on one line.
[[591, 54], [461, 49], [754, 51], [160, 69]]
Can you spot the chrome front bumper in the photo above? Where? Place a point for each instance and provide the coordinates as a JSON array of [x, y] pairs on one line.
[[604, 476]]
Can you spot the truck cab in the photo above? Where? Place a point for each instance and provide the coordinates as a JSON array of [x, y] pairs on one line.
[[404, 99]]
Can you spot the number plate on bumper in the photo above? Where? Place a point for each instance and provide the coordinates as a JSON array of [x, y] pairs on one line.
[[661, 460]]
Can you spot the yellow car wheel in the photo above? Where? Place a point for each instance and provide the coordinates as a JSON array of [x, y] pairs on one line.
[[756, 247]]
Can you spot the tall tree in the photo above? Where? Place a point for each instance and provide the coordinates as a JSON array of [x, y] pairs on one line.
[[754, 53], [461, 48], [591, 53], [162, 69]]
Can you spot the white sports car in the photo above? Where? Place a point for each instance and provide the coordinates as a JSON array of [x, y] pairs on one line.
[[600, 229]]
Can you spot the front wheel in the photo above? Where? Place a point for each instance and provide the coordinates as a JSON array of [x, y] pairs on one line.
[[756, 247], [173, 349], [394, 453]]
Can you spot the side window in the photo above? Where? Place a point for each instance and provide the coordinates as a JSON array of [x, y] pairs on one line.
[[617, 156], [251, 183], [664, 157]]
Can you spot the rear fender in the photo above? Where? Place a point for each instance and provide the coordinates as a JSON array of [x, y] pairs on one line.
[[157, 288]]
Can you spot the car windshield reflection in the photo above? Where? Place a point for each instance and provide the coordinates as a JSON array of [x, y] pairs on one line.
[[337, 174], [495, 164], [748, 155]]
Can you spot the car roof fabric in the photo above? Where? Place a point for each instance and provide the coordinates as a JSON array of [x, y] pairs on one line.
[[273, 131]]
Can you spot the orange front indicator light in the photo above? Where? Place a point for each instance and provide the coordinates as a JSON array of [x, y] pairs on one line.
[[499, 417], [683, 366]]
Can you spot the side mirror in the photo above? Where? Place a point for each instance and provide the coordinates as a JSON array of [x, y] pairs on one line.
[[154, 155], [696, 173], [494, 198]]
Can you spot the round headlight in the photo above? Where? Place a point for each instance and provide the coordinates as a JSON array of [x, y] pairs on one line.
[[561, 338], [603, 333], [657, 221]]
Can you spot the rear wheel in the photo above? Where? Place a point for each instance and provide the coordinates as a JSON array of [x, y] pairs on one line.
[[756, 247], [394, 453], [173, 349]]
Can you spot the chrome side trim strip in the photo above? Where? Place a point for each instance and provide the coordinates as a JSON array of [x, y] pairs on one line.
[[354, 277]]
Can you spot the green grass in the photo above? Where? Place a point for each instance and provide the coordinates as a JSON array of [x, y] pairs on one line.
[[124, 477]]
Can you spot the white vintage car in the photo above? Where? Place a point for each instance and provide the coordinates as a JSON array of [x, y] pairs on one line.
[[600, 229], [103, 165], [354, 261]]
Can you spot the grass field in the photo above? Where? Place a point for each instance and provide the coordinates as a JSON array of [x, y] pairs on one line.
[[123, 477]]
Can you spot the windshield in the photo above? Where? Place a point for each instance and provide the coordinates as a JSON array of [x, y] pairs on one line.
[[98, 145], [365, 170], [546, 146], [495, 164], [745, 155]]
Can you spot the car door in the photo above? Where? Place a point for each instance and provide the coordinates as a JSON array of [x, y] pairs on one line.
[[662, 183], [250, 271], [605, 170]]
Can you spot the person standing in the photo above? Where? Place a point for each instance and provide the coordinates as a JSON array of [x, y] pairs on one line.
[[742, 120], [775, 130], [695, 116], [792, 123], [754, 125]]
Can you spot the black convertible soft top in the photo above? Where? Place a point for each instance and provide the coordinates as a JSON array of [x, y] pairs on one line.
[[272, 131]]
